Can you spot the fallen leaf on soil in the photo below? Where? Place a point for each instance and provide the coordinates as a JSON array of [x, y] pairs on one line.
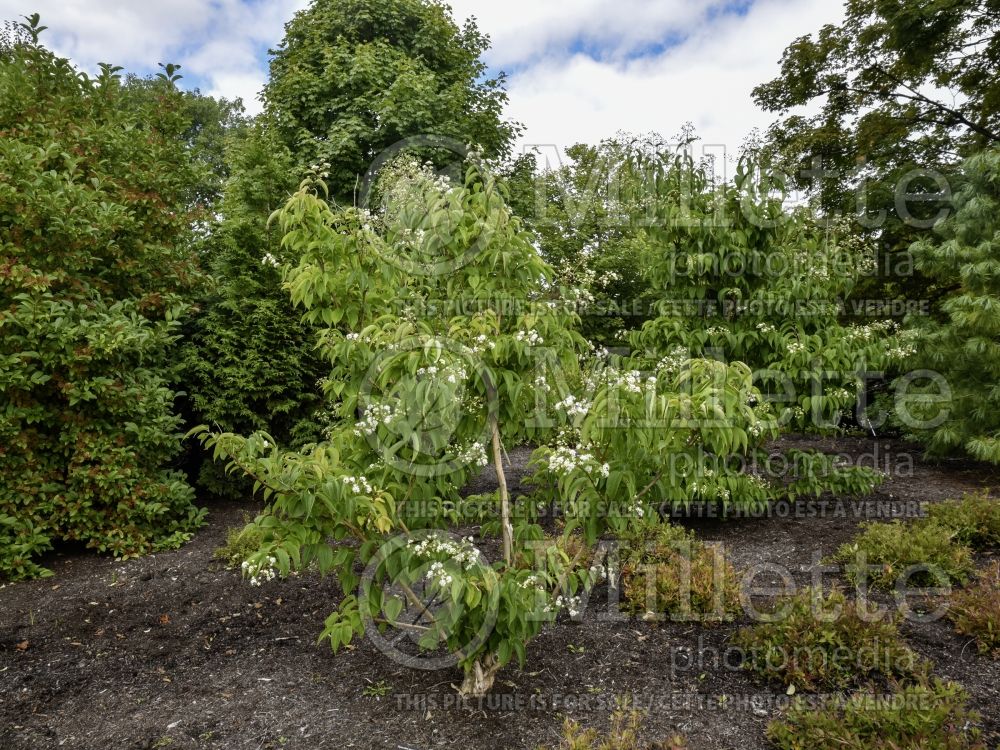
[[164, 619], [22, 646]]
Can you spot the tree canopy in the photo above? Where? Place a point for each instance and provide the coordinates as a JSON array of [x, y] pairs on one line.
[[897, 85], [353, 77]]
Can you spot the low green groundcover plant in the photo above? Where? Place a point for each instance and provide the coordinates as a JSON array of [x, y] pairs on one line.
[[975, 610], [241, 543], [624, 733], [975, 519], [928, 716], [668, 570], [816, 643], [919, 554]]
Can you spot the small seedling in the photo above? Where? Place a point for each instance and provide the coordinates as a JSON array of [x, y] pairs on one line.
[[376, 690]]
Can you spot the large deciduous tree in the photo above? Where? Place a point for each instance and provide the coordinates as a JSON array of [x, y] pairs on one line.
[[898, 83], [885, 104], [353, 77]]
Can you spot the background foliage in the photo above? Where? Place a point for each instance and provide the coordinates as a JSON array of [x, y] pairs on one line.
[[97, 198]]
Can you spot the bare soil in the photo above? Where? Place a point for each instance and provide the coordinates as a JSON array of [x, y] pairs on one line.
[[174, 651]]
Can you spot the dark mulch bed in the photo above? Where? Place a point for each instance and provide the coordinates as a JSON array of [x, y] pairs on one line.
[[174, 651]]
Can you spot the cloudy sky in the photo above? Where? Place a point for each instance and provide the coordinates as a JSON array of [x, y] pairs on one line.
[[580, 70]]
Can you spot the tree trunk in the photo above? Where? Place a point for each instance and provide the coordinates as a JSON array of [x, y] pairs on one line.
[[479, 678], [506, 528]]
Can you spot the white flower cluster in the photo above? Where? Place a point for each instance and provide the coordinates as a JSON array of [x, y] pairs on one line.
[[675, 360], [565, 460], [570, 603], [437, 574], [534, 582], [375, 415], [819, 272], [574, 407], [867, 263], [453, 374], [906, 347], [635, 509], [608, 278], [542, 385], [717, 331], [871, 332], [270, 260], [796, 347], [600, 572], [463, 552], [412, 236], [474, 455], [632, 381], [766, 328], [357, 337], [259, 573], [481, 343], [430, 177], [358, 485], [532, 338], [840, 394], [707, 490], [755, 430]]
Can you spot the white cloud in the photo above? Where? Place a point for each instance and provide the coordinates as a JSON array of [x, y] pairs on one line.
[[705, 78], [217, 42], [523, 30], [660, 63]]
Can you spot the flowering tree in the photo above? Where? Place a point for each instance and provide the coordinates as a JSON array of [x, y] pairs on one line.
[[641, 442], [422, 393], [744, 278], [741, 280]]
